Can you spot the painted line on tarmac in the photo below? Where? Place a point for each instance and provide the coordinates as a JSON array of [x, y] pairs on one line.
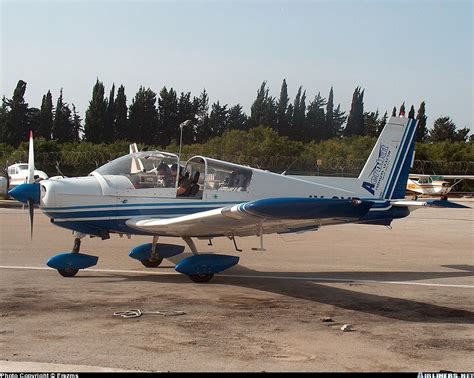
[[295, 278]]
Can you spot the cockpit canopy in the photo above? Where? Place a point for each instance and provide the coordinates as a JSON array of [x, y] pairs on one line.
[[148, 169], [156, 169]]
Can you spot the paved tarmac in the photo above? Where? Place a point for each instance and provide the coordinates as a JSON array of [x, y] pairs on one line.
[[407, 292]]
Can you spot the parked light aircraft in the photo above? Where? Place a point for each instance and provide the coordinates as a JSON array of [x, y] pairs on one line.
[[434, 184], [18, 174], [132, 195]]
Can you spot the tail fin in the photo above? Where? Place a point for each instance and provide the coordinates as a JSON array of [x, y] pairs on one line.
[[385, 173]]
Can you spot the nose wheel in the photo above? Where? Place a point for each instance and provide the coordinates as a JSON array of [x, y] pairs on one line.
[[69, 272], [149, 263], [201, 278]]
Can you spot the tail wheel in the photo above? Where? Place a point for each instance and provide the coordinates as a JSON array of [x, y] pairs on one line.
[[152, 263], [69, 272], [201, 278]]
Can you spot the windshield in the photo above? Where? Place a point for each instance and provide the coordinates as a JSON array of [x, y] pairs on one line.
[[151, 169]]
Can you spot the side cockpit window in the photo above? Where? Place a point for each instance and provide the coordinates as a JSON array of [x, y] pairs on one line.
[[227, 177]]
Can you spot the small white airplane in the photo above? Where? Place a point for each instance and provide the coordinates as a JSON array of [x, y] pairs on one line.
[[435, 185], [18, 174], [131, 195]]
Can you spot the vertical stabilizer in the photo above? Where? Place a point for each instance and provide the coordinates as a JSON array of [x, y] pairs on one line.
[[385, 173]]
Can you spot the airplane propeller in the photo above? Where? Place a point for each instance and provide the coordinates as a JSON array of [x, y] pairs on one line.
[[29, 192]]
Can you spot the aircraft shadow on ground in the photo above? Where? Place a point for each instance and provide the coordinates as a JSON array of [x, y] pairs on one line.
[[322, 292]]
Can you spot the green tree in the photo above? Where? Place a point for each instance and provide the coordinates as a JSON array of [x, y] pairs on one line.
[[144, 119], [3, 121], [371, 123], [394, 111], [402, 110], [411, 113], [298, 123], [121, 116], [282, 117], [46, 117], [76, 124], [237, 119], [422, 130], [202, 117], [187, 109], [168, 116], [96, 115], [316, 120], [62, 126], [16, 125], [109, 128], [355, 121], [218, 119], [445, 130], [338, 120], [263, 109]]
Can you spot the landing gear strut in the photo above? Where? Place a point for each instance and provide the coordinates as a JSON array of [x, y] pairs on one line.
[[155, 259], [71, 272]]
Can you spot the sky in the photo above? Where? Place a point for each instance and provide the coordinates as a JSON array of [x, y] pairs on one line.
[[397, 51]]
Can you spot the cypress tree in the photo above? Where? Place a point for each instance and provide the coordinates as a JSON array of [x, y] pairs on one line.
[[402, 110], [110, 133], [394, 111], [355, 121], [143, 119], [339, 119], [76, 124], [121, 120], [168, 116], [382, 123], [218, 119], [411, 113], [371, 123], [316, 120], [237, 118], [258, 110], [282, 120], [16, 125], [329, 131], [422, 130], [201, 103], [187, 109], [46, 117], [62, 126], [298, 124], [95, 115], [3, 121]]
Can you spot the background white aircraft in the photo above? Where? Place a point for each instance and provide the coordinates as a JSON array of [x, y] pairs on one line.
[[130, 195], [435, 185]]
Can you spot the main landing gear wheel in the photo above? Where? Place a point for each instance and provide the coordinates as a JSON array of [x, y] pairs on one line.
[[152, 263], [68, 272], [201, 278]]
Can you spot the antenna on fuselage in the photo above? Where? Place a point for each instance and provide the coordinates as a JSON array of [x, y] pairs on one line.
[[284, 172], [183, 124]]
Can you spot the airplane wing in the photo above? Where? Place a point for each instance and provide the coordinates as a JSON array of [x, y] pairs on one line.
[[265, 216]]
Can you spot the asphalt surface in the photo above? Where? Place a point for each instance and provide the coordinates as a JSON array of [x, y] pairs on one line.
[[407, 292]]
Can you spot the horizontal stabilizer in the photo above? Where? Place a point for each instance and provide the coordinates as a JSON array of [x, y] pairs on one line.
[[429, 203]]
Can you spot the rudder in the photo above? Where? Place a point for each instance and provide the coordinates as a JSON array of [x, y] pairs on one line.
[[385, 173]]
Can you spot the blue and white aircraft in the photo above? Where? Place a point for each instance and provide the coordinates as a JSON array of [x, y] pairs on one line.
[[130, 195]]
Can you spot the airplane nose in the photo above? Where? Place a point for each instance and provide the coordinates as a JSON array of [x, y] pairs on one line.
[[25, 192]]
